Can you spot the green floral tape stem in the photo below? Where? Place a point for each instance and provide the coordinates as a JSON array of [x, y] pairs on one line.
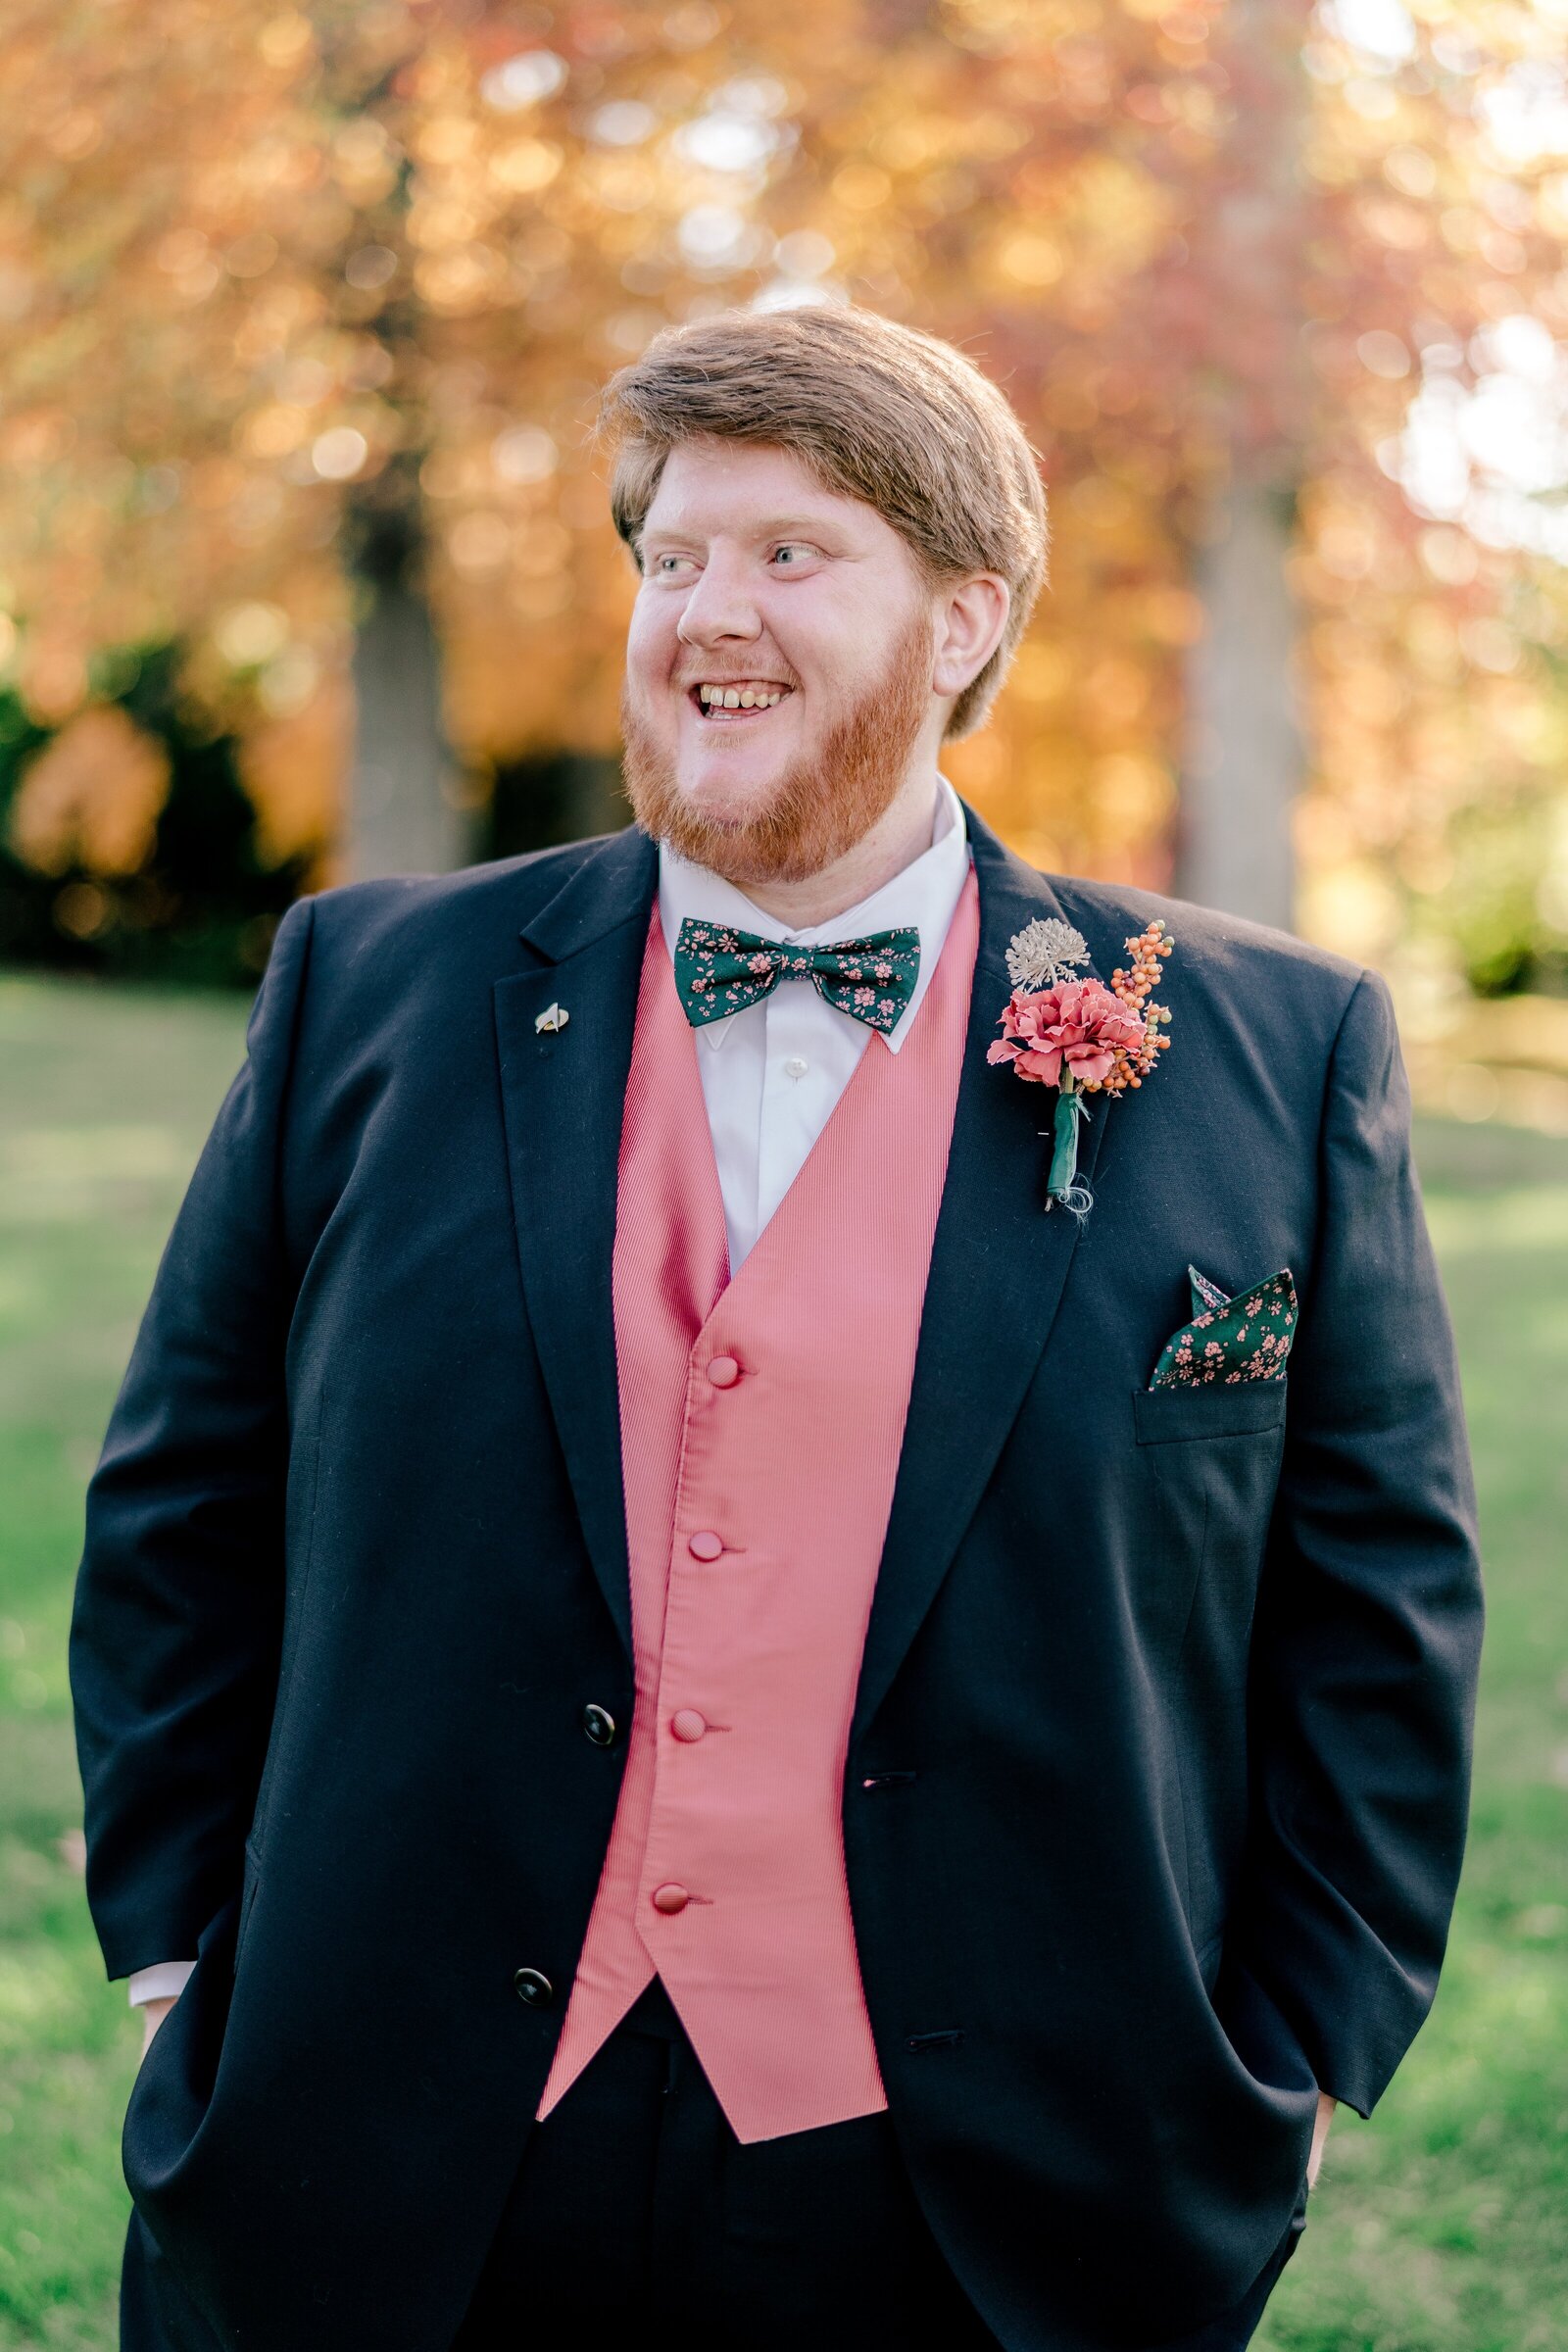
[[1065, 1155]]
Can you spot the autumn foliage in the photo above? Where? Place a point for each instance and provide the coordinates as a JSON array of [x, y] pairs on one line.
[[266, 274]]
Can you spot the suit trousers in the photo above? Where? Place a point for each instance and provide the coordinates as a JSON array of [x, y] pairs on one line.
[[635, 2203]]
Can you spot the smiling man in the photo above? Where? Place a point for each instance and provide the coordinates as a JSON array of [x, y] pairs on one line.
[[733, 1673]]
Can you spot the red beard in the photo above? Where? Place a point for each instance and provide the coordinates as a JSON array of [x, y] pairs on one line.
[[821, 807]]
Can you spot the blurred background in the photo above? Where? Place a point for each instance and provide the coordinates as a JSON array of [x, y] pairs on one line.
[[306, 575]]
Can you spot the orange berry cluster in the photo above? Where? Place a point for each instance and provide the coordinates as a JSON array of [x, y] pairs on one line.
[[1148, 951]]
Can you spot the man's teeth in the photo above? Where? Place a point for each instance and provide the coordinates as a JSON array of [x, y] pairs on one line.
[[742, 698]]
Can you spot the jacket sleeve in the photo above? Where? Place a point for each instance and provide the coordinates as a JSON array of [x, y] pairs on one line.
[[176, 1628], [1368, 1627]]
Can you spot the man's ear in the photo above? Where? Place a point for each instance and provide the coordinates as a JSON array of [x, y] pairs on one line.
[[970, 621]]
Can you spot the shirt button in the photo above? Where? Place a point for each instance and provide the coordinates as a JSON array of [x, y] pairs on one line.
[[705, 1545], [670, 1899], [687, 1724], [723, 1371], [796, 1066]]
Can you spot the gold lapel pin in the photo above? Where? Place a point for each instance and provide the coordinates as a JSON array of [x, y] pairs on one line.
[[553, 1017]]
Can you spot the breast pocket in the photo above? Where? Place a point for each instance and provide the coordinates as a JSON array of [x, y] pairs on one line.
[[1210, 1461]]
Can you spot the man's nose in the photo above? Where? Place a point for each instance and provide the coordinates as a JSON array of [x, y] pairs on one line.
[[721, 606]]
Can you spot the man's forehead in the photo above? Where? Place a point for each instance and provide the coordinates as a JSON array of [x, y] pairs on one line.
[[718, 484]]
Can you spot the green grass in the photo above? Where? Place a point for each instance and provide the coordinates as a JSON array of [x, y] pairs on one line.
[[1439, 2226], [1442, 2226], [104, 1096]]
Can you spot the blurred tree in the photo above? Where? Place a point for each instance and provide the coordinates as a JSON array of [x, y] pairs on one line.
[[242, 254], [128, 844], [1242, 761], [309, 310], [1213, 249]]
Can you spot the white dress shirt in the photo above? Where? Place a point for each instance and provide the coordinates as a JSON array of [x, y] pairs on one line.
[[772, 1074]]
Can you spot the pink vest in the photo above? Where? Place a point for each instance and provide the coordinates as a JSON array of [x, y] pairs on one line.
[[762, 1421]]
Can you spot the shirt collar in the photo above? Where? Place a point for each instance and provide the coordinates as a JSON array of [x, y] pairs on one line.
[[925, 893]]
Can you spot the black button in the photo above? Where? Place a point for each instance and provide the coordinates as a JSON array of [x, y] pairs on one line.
[[600, 1726], [534, 1988]]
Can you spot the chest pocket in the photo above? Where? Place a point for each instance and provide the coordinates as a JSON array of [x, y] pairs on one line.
[[1209, 1460]]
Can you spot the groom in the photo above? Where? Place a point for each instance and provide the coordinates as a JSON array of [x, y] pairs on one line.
[[718, 1719]]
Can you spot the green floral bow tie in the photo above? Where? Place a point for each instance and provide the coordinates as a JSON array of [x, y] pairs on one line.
[[719, 971]]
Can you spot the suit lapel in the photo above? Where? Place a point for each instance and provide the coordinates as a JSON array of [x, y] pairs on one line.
[[997, 1266], [563, 1094]]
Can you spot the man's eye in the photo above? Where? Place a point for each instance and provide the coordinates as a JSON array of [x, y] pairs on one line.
[[667, 563], [793, 549]]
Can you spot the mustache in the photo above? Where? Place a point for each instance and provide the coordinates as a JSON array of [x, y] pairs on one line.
[[820, 807]]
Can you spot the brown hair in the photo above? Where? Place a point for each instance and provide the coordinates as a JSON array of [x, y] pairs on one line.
[[877, 411]]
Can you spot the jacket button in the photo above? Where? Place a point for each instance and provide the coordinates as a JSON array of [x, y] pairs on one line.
[[600, 1726], [668, 1899], [534, 1988], [723, 1371], [687, 1724], [704, 1544]]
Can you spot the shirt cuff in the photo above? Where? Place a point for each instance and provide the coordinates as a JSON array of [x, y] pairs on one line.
[[163, 1981]]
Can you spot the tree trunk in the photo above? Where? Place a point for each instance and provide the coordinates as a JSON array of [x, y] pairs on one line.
[[405, 813], [1244, 754], [1251, 247]]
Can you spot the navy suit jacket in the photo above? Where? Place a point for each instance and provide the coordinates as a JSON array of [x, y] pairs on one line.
[[1157, 1784]]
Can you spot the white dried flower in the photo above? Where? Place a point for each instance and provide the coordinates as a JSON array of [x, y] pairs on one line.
[[1043, 952]]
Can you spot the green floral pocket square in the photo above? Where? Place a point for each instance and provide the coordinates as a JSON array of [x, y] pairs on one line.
[[1246, 1338]]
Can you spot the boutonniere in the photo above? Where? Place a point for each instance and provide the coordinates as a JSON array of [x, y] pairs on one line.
[[1078, 1035]]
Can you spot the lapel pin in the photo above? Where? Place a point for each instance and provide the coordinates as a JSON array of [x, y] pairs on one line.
[[553, 1017]]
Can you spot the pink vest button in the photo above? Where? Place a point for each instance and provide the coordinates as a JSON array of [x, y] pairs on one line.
[[687, 1724], [723, 1371], [706, 1545], [670, 1899]]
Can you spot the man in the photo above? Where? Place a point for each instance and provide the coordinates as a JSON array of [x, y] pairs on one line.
[[733, 1730]]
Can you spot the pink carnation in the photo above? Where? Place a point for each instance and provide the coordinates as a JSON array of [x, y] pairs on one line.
[[1079, 1023]]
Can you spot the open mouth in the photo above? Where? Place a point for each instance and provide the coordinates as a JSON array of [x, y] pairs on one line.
[[732, 702]]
